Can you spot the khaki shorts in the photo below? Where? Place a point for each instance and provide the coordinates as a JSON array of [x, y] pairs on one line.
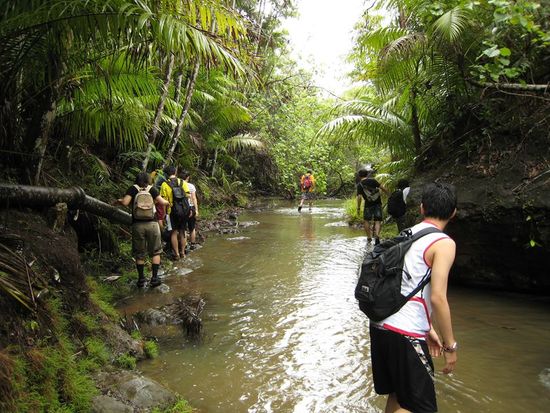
[[146, 239]]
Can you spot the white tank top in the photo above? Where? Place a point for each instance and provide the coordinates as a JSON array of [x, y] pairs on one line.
[[413, 319], [192, 190]]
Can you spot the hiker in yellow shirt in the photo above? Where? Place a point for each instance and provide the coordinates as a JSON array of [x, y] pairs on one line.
[[307, 186], [176, 192]]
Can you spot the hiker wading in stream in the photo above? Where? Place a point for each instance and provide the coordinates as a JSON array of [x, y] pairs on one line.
[[403, 344], [145, 228], [176, 191], [307, 186], [368, 189]]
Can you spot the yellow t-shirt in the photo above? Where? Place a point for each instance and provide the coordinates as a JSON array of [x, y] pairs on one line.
[[311, 188], [166, 192]]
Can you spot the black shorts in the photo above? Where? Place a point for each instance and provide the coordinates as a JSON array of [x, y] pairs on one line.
[[403, 365], [192, 220], [179, 224], [372, 212]]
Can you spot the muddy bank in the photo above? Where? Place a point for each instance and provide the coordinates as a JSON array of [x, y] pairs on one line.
[[502, 228]]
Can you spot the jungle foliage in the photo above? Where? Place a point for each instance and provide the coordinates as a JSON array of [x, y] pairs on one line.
[[446, 75], [94, 91]]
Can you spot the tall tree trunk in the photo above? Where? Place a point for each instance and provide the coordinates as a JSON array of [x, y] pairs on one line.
[[214, 161], [189, 94], [261, 10], [414, 122], [402, 18], [42, 142], [177, 88], [160, 109]]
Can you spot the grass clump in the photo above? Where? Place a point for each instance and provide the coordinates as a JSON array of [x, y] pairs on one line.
[[102, 296], [151, 349], [97, 351], [181, 406], [126, 361], [388, 229], [49, 379]]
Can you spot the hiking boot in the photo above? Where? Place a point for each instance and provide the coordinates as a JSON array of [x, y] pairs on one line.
[[369, 240], [300, 208], [193, 246], [141, 282], [155, 282], [376, 241]]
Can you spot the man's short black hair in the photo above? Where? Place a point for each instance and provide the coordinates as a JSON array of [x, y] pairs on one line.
[[166, 169], [184, 175], [170, 170], [363, 173], [402, 184], [309, 171], [439, 200], [143, 179]]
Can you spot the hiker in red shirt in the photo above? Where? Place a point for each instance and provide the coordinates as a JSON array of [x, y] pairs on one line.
[[307, 186]]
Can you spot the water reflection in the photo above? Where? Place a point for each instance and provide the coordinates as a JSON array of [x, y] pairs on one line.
[[307, 229], [284, 333]]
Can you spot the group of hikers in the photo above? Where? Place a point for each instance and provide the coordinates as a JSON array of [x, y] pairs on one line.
[[404, 340], [169, 206], [368, 190]]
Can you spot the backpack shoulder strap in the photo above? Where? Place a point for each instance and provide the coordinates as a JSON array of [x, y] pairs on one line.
[[148, 188], [425, 231], [137, 187]]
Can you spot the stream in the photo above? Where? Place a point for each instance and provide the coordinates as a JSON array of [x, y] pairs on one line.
[[283, 333]]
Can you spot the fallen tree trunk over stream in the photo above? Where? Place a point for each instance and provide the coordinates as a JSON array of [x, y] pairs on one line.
[[13, 195]]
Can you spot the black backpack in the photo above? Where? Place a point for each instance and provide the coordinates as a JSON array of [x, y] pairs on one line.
[[396, 204], [379, 287], [180, 207]]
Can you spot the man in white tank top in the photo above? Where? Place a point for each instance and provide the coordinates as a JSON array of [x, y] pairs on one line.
[[402, 344]]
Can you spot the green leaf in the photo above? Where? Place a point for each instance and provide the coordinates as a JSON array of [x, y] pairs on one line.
[[505, 51], [492, 52]]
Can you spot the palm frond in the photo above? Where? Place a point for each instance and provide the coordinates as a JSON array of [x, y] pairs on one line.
[[451, 25], [244, 140]]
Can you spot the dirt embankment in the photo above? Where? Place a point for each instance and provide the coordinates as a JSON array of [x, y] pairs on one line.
[[55, 336], [502, 228]]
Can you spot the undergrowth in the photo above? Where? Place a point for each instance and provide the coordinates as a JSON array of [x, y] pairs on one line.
[[388, 229]]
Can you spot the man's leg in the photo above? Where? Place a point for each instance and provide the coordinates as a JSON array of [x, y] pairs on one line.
[[392, 405], [377, 216], [368, 229], [183, 242], [301, 202], [155, 280], [140, 266], [377, 226], [138, 251], [174, 242]]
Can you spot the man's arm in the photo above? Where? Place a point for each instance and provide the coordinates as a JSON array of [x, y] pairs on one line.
[[195, 202], [359, 199], [125, 201], [441, 255], [160, 200], [384, 189]]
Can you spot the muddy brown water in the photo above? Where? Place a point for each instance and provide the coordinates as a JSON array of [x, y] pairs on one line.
[[282, 332]]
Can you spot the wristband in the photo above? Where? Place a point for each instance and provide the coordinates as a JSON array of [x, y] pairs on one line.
[[450, 349]]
